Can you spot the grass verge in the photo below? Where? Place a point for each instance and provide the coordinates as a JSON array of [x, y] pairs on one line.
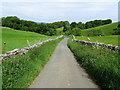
[[20, 71], [102, 64]]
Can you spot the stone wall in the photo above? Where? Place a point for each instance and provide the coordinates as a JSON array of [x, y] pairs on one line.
[[24, 50], [109, 46]]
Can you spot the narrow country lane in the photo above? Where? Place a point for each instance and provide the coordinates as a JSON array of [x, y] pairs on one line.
[[62, 71]]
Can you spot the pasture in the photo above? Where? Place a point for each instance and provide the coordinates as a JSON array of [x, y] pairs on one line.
[[19, 39], [112, 39], [108, 29]]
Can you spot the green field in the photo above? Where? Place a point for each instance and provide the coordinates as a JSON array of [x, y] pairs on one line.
[[112, 39], [18, 39], [60, 29], [104, 29]]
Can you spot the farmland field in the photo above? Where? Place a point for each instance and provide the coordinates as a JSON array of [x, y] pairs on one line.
[[104, 29], [60, 29], [18, 39], [112, 39]]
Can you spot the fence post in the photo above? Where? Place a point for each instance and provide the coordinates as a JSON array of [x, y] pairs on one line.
[[28, 43], [3, 49]]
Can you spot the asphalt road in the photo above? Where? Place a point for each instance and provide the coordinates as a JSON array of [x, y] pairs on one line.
[[62, 71]]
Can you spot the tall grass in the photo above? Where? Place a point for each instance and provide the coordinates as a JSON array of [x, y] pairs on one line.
[[20, 71], [102, 64]]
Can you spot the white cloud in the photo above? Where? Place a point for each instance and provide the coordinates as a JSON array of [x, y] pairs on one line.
[[56, 11]]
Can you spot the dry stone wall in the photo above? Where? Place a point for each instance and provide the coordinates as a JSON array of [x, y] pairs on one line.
[[24, 50], [116, 48]]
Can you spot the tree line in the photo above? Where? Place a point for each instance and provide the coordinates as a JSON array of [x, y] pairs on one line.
[[51, 28]]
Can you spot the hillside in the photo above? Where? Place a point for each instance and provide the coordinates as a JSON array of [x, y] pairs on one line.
[[108, 29], [112, 39], [19, 39]]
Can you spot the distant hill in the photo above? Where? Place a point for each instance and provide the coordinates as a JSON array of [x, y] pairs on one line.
[[108, 29]]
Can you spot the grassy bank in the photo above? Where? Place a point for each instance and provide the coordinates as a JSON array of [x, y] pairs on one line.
[[19, 72], [103, 65], [18, 39], [112, 39], [108, 29]]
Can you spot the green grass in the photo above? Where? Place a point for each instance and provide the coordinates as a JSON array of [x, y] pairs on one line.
[[104, 29], [19, 72], [60, 29], [18, 39], [102, 64], [112, 39]]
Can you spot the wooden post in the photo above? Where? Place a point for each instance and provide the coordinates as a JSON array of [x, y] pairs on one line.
[[3, 49], [28, 43]]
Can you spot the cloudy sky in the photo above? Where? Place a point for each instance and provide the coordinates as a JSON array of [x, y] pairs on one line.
[[60, 10]]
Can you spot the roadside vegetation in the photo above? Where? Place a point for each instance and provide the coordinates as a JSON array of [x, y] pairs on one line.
[[112, 39], [19, 72], [102, 64], [19, 39]]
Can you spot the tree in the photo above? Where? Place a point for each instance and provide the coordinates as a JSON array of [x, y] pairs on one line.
[[108, 21], [73, 25], [76, 31], [81, 25], [88, 25], [66, 28], [97, 23]]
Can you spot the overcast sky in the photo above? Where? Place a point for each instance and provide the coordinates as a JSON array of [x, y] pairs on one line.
[[60, 10]]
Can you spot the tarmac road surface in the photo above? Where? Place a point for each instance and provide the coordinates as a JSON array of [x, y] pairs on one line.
[[62, 71]]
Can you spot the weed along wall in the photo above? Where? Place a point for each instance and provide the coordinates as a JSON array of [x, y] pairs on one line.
[[116, 48], [25, 49], [102, 64]]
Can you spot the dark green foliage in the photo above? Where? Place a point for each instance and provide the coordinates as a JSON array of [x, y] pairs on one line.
[[66, 28], [20, 71], [73, 25], [117, 30], [49, 28], [95, 32], [51, 32], [108, 21], [81, 25], [96, 23], [88, 25], [76, 31], [102, 64], [24, 25]]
